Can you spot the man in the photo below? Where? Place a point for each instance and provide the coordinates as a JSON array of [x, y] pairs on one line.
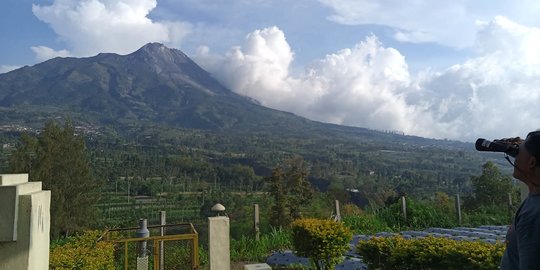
[[523, 236]]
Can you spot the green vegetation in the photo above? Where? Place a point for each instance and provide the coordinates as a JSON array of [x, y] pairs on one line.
[[429, 253], [83, 251], [290, 189], [323, 241], [488, 185], [57, 157], [185, 172], [247, 249]]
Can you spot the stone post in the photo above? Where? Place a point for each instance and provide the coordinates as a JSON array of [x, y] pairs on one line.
[[24, 223], [337, 217], [256, 221], [218, 240], [404, 207], [458, 208]]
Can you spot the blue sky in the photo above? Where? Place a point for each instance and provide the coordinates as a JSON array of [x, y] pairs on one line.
[[441, 69]]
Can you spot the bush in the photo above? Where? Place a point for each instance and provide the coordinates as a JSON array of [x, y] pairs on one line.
[[429, 253], [323, 241], [82, 252]]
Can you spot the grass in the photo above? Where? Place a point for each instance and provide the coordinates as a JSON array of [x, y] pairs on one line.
[[248, 249]]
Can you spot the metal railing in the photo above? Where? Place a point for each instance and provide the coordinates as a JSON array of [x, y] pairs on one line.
[[171, 246]]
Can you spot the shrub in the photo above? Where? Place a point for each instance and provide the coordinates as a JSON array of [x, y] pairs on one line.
[[323, 241], [429, 253], [82, 252]]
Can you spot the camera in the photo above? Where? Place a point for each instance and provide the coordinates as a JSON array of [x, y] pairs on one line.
[[507, 146]]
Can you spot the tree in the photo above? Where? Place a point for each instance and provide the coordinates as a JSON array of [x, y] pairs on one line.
[[490, 188], [279, 215], [21, 159], [298, 187], [290, 189], [57, 157]]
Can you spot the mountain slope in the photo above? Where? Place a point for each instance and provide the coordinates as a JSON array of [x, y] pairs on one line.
[[153, 85]]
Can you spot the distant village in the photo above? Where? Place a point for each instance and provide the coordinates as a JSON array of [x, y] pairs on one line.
[[87, 130]]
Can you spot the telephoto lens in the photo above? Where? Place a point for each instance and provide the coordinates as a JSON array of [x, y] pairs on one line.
[[505, 146]]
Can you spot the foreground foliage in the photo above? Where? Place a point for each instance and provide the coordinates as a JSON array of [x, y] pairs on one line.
[[323, 241], [82, 252], [57, 157], [248, 249], [429, 253]]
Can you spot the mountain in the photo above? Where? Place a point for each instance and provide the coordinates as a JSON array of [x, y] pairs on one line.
[[153, 85]]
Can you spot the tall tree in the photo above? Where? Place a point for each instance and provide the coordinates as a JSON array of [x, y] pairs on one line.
[[491, 188], [298, 187], [57, 157], [279, 214], [291, 190]]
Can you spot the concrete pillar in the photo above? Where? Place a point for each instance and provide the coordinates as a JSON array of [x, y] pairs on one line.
[[458, 209], [256, 221], [337, 217], [219, 243], [24, 223], [404, 207]]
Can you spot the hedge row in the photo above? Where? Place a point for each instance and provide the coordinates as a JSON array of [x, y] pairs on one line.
[[429, 253], [82, 252]]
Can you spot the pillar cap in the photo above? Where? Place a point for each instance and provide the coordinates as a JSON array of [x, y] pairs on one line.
[[218, 207]]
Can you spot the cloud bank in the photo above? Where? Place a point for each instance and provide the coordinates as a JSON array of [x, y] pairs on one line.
[[90, 27], [492, 95], [446, 22]]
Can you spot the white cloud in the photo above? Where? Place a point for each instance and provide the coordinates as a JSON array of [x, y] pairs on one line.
[[494, 95], [446, 22], [45, 53], [361, 86], [93, 26], [7, 68], [259, 69]]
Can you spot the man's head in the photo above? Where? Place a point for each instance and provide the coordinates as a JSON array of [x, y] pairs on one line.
[[532, 143], [527, 164]]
